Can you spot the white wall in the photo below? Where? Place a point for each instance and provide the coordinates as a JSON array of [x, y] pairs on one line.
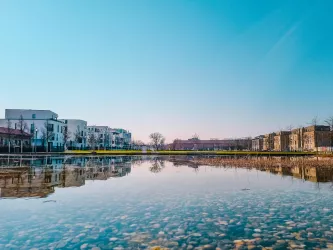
[[30, 114], [72, 126], [40, 125]]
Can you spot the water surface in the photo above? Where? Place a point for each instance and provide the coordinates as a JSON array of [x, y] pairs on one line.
[[167, 202]]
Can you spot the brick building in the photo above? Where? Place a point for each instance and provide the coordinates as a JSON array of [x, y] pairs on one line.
[[281, 141], [196, 144], [268, 142], [258, 143], [316, 136]]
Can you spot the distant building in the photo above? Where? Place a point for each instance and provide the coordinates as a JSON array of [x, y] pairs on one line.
[[282, 141], [110, 138], [296, 139], [38, 123], [101, 135], [123, 138], [258, 143], [196, 144], [14, 138], [268, 142], [78, 132], [315, 137]]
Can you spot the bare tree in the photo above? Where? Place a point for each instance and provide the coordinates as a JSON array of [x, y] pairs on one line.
[[137, 144], [47, 134], [157, 140], [175, 143], [315, 121], [329, 122], [65, 136], [290, 129], [92, 139], [9, 133], [157, 165], [77, 135], [22, 125], [195, 137]]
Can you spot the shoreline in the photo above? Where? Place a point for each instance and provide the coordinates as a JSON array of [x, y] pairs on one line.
[[156, 153]]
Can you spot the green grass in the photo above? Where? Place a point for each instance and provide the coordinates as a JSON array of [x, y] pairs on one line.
[[185, 152]]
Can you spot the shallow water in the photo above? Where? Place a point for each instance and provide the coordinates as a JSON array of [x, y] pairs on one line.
[[139, 203]]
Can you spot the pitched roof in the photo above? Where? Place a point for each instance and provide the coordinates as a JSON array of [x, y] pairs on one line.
[[13, 132]]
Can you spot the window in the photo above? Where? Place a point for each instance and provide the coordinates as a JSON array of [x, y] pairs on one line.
[[58, 128], [50, 127], [32, 128], [57, 137], [33, 116]]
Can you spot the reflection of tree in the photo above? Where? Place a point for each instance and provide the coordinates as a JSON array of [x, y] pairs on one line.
[[157, 165]]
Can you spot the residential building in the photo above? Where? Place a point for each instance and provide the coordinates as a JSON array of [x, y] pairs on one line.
[[44, 126], [282, 141], [268, 142], [109, 138], [316, 136], [13, 139], [78, 132], [123, 138], [258, 143], [225, 144], [101, 137], [296, 139]]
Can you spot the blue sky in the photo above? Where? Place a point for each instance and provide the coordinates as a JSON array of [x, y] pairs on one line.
[[216, 68]]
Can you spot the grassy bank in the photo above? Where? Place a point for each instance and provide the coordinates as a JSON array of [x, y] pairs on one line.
[[167, 152]]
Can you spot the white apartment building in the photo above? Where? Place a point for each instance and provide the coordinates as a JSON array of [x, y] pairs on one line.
[[109, 138], [44, 126], [101, 137], [78, 132], [123, 138]]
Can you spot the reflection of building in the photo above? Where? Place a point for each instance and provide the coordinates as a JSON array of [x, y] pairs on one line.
[[72, 177], [312, 174], [27, 182], [48, 173]]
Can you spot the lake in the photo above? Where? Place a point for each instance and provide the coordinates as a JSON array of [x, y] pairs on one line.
[[171, 202]]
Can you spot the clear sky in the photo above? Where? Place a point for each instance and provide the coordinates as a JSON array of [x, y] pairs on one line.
[[216, 68]]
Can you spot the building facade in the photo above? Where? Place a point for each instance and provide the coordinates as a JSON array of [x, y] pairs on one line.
[[268, 142], [282, 141], [258, 143], [196, 144], [104, 137], [14, 140], [98, 137], [78, 132], [43, 125], [296, 139], [123, 138], [316, 136]]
